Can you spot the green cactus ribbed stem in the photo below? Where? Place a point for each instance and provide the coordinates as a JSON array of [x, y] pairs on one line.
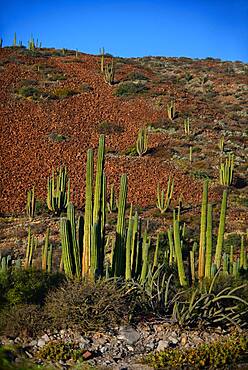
[[201, 262], [145, 249], [192, 265], [119, 255], [88, 215], [112, 204], [231, 259], [235, 268], [208, 257], [99, 181], [58, 191], [109, 73], [226, 171], [155, 259], [102, 59], [30, 205], [225, 263], [171, 245], [179, 257], [171, 110], [242, 252], [213, 270], [134, 244], [128, 272], [29, 249], [14, 41], [67, 256], [142, 141], [50, 259], [45, 251], [221, 230], [94, 251], [73, 239]]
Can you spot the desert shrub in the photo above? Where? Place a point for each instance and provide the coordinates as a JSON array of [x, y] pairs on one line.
[[57, 137], [26, 286], [106, 128], [59, 351], [21, 320], [86, 87], [62, 93], [132, 151], [28, 91], [88, 305], [216, 355], [134, 76], [130, 88]]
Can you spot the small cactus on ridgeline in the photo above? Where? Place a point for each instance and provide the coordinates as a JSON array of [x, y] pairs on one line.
[[226, 171], [163, 200], [102, 52], [171, 110], [142, 141], [14, 40], [1, 42]]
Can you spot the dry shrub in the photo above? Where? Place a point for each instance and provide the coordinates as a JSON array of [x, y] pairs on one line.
[[88, 305], [21, 320]]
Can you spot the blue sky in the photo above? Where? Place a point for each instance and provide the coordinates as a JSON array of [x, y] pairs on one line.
[[192, 28]]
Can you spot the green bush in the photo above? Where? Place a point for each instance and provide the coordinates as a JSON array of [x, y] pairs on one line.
[[130, 88], [64, 92], [106, 128], [136, 76], [59, 351], [216, 355], [26, 286]]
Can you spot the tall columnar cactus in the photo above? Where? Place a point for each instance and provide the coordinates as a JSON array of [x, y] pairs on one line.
[[102, 53], [226, 171], [221, 230], [14, 40], [32, 243], [118, 267], [128, 270], [171, 246], [142, 141], [75, 245], [135, 243], [171, 110], [45, 251], [208, 256], [145, 263], [58, 191], [1, 42], [243, 255], [179, 257], [221, 144], [163, 200], [67, 251], [88, 214], [30, 205], [201, 262], [109, 73]]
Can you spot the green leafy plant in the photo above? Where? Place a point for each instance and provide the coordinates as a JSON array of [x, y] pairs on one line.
[[128, 88]]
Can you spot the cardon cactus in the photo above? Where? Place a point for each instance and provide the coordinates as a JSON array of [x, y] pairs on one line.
[[30, 205], [201, 262], [58, 191], [163, 200], [142, 141], [226, 171], [221, 230], [109, 73], [171, 110]]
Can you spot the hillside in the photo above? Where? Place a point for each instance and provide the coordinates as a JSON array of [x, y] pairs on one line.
[[54, 105]]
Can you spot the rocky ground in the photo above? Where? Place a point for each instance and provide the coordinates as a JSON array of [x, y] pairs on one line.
[[121, 348]]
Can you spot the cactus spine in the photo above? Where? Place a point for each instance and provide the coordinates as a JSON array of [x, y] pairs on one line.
[[142, 141]]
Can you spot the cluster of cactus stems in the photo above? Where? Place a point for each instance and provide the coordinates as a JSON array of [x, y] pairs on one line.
[[171, 110], [85, 251], [58, 191], [163, 200], [226, 171], [109, 73], [142, 141], [221, 144], [30, 205], [187, 126]]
